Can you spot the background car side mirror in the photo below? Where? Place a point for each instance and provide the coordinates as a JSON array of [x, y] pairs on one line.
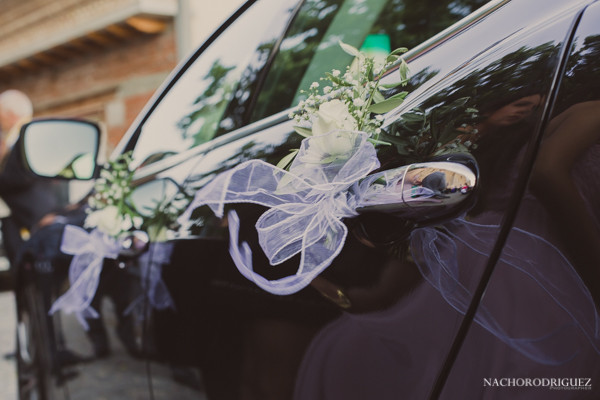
[[61, 148], [153, 195]]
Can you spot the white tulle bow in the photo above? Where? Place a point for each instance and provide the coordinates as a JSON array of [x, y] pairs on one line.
[[89, 250], [306, 205], [154, 288]]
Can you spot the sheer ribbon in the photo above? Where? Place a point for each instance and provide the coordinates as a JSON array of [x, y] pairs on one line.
[[89, 251], [306, 205], [520, 289], [153, 287]]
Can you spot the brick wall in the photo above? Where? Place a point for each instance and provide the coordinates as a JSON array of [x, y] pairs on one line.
[[107, 73], [111, 84]]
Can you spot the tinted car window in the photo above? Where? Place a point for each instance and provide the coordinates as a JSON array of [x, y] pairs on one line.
[[239, 79], [194, 111], [310, 46]]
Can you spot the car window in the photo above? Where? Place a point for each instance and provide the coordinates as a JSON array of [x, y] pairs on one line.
[[238, 80], [193, 111], [310, 46]]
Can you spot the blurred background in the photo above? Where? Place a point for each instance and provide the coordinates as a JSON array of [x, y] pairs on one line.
[[95, 59], [99, 59]]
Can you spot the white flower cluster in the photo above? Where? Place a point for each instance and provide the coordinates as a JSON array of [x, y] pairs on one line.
[[109, 211], [351, 101]]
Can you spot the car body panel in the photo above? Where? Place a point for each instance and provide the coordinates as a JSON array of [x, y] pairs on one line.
[[431, 311]]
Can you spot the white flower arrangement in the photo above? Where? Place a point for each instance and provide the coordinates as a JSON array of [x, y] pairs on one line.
[[109, 210], [351, 101], [110, 215]]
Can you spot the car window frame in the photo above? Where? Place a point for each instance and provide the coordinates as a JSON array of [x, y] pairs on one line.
[[130, 138]]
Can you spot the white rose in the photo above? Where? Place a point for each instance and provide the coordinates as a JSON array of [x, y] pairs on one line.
[[107, 220], [137, 222], [334, 145], [333, 115]]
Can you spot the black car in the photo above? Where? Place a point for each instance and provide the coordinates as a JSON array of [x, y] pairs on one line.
[[478, 279]]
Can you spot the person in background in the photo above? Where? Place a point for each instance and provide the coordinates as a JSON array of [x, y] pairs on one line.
[[15, 110], [29, 198]]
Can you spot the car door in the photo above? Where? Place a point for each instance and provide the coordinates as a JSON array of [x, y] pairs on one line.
[[544, 286], [480, 90], [488, 100], [197, 347]]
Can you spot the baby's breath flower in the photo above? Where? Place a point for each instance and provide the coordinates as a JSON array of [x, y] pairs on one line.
[[111, 192], [358, 102]]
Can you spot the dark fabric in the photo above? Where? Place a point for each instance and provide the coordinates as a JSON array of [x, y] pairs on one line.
[[28, 197], [11, 239]]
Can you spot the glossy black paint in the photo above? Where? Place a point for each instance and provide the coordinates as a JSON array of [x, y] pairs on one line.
[[522, 65]]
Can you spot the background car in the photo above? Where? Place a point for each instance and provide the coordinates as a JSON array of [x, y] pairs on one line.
[[490, 295]]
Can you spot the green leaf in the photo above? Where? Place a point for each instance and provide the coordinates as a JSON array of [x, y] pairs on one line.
[[378, 97], [377, 142], [400, 95], [389, 104], [353, 51], [303, 131], [403, 69], [287, 160], [399, 50], [413, 117], [390, 85], [392, 58]]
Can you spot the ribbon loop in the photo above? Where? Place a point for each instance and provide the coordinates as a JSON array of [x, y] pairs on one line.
[[151, 263], [554, 286], [306, 204], [89, 251]]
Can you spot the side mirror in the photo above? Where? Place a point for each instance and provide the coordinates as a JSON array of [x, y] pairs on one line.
[[159, 202], [61, 148], [152, 195]]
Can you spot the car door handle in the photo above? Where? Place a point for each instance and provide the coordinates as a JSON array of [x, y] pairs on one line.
[[393, 202]]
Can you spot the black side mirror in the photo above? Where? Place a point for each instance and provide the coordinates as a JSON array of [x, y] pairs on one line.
[[61, 148]]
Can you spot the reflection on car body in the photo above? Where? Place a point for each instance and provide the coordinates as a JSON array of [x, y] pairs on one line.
[[479, 265]]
